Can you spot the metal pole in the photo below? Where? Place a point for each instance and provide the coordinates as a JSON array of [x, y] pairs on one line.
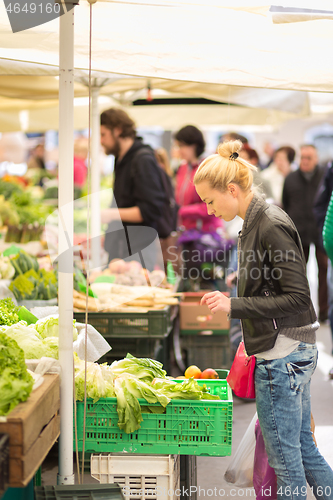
[[95, 227], [65, 250]]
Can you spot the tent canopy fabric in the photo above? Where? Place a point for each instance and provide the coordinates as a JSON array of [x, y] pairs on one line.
[[229, 51], [216, 42]]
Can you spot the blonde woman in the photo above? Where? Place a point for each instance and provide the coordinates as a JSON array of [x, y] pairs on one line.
[[278, 319]]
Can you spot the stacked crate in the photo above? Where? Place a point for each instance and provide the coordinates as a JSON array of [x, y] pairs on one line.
[[204, 336]]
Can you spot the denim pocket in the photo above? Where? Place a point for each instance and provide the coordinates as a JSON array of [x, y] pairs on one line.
[[300, 373]]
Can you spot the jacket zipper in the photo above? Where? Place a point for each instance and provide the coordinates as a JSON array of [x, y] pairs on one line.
[[274, 321]]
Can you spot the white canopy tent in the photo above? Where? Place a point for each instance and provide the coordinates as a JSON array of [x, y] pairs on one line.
[[218, 42]]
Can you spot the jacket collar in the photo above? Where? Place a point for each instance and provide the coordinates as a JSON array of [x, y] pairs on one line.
[[256, 207]]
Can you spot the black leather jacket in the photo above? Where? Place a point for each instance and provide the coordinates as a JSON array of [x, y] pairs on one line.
[[273, 290]]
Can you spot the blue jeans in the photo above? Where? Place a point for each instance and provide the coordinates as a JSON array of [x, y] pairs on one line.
[[284, 412]]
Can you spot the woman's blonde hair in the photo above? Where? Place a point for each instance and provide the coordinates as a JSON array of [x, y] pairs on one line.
[[225, 167]]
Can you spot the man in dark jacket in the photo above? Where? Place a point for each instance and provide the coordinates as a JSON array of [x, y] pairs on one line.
[[319, 209], [138, 194], [298, 196]]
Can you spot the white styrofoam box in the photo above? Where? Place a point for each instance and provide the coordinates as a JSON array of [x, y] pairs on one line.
[[141, 477]]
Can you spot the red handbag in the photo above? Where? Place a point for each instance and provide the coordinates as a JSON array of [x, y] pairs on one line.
[[241, 374]]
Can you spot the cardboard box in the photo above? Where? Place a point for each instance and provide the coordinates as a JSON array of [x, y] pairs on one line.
[[198, 320]]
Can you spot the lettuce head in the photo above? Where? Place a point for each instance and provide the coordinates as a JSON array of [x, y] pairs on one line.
[[15, 381], [49, 327]]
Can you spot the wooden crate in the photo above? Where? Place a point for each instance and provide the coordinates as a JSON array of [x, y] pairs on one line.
[[33, 427]]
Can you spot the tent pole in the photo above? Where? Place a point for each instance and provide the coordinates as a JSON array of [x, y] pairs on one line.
[[65, 250], [95, 227]]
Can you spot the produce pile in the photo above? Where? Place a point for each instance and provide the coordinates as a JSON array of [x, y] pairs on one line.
[[35, 339], [23, 216], [117, 298], [15, 381], [129, 273], [29, 281], [131, 379]]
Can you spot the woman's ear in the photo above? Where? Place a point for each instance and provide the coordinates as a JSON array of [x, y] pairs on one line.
[[232, 188]]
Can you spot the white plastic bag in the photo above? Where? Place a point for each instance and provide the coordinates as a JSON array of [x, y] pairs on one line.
[[97, 346], [240, 470]]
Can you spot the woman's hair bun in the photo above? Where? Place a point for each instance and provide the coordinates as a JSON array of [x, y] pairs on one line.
[[228, 148]]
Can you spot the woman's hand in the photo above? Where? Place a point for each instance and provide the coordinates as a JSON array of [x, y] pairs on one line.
[[216, 301]]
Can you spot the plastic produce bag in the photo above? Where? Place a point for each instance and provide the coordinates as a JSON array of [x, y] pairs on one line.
[[240, 470], [97, 346], [264, 478]]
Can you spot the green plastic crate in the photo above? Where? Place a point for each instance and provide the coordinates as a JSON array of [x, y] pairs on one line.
[[187, 427], [152, 324], [79, 492]]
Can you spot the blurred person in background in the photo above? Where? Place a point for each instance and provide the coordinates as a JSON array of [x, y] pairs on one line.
[[37, 157], [36, 165], [299, 191], [192, 212], [233, 136], [274, 175], [269, 151], [80, 162], [194, 221], [162, 158], [163, 161], [321, 203], [138, 192], [261, 184]]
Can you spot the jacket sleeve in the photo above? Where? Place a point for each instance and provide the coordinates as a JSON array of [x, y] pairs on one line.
[[285, 195], [288, 270], [148, 193]]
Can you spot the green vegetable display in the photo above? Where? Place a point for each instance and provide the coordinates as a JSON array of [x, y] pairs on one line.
[[131, 379], [35, 285], [31, 343], [7, 270], [9, 312], [23, 262], [15, 381]]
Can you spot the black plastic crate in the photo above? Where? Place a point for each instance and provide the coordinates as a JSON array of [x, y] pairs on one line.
[[188, 476], [79, 492], [152, 324], [4, 462], [207, 351]]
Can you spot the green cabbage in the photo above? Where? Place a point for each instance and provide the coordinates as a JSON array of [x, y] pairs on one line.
[[15, 381], [49, 327], [187, 389], [144, 368], [33, 345], [99, 380], [129, 389]]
